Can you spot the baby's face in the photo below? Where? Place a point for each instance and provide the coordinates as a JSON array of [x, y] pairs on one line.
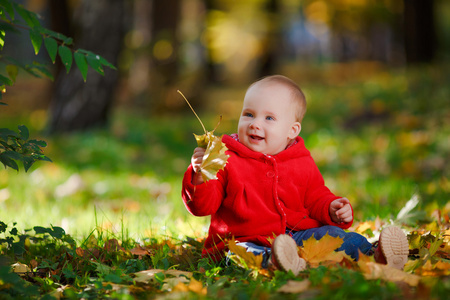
[[267, 123]]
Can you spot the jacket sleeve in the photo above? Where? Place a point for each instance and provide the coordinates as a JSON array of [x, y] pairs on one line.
[[203, 199], [318, 199]]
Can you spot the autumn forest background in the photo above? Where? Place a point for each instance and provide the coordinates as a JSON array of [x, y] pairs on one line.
[[376, 75]]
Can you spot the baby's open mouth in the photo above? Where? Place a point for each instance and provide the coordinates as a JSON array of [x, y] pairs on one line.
[[256, 137]]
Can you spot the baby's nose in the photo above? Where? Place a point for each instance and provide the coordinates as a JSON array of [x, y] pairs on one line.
[[254, 125]]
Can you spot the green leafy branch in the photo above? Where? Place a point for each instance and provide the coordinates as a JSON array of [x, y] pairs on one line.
[[56, 44], [17, 147]]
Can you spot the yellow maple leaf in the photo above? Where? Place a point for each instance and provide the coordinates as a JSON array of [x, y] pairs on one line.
[[362, 227], [244, 258], [214, 158], [316, 252]]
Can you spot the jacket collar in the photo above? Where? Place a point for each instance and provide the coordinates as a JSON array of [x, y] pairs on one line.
[[294, 150]]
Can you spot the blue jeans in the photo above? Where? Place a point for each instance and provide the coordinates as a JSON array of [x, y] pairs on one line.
[[352, 241]]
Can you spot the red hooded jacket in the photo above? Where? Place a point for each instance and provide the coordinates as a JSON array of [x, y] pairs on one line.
[[257, 197]]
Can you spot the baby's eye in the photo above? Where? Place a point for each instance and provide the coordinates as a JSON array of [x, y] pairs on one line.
[[247, 114], [270, 118]]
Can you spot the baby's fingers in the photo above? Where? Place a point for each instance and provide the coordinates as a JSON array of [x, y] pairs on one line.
[[345, 214]]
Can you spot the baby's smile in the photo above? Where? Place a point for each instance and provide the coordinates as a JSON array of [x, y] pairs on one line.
[[256, 137]]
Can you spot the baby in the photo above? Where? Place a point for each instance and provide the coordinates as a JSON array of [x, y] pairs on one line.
[[271, 187]]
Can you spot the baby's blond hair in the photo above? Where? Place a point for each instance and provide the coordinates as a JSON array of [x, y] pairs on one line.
[[297, 95]]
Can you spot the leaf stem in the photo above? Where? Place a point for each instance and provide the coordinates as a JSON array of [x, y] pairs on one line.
[[179, 92]]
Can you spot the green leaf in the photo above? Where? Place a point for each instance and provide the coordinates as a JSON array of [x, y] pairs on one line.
[[12, 71], [38, 143], [52, 47], [27, 162], [66, 57], [7, 6], [8, 162], [103, 61], [5, 133], [40, 229], [13, 155], [94, 62], [59, 36], [29, 17], [80, 60], [2, 38], [38, 69], [57, 232], [5, 80], [36, 40], [24, 133]]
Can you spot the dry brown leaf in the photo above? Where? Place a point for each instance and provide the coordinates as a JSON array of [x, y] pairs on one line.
[[248, 258], [295, 287], [323, 250], [139, 251], [372, 270]]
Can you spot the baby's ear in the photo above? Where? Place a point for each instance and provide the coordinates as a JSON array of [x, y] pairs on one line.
[[295, 130]]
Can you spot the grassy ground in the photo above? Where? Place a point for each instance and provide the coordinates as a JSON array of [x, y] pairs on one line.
[[379, 140]]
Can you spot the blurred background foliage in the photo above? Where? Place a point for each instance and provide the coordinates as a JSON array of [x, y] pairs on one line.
[[375, 73]]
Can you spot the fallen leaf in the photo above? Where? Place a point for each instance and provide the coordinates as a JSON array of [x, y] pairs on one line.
[[318, 251], [372, 270], [20, 268], [175, 284], [180, 287], [112, 245], [440, 268], [148, 275], [197, 287], [295, 287], [139, 251], [247, 259], [362, 227]]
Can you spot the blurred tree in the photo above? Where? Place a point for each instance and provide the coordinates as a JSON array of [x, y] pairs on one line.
[[165, 18], [271, 48], [419, 27], [79, 105]]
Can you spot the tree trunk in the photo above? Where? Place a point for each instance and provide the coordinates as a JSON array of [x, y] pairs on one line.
[[269, 60], [420, 35], [79, 105], [165, 54]]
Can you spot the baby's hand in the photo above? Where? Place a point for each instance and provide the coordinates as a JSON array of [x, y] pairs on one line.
[[341, 211], [196, 161]]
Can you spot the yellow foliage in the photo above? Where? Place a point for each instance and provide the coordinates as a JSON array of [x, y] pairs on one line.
[[316, 252], [248, 259]]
